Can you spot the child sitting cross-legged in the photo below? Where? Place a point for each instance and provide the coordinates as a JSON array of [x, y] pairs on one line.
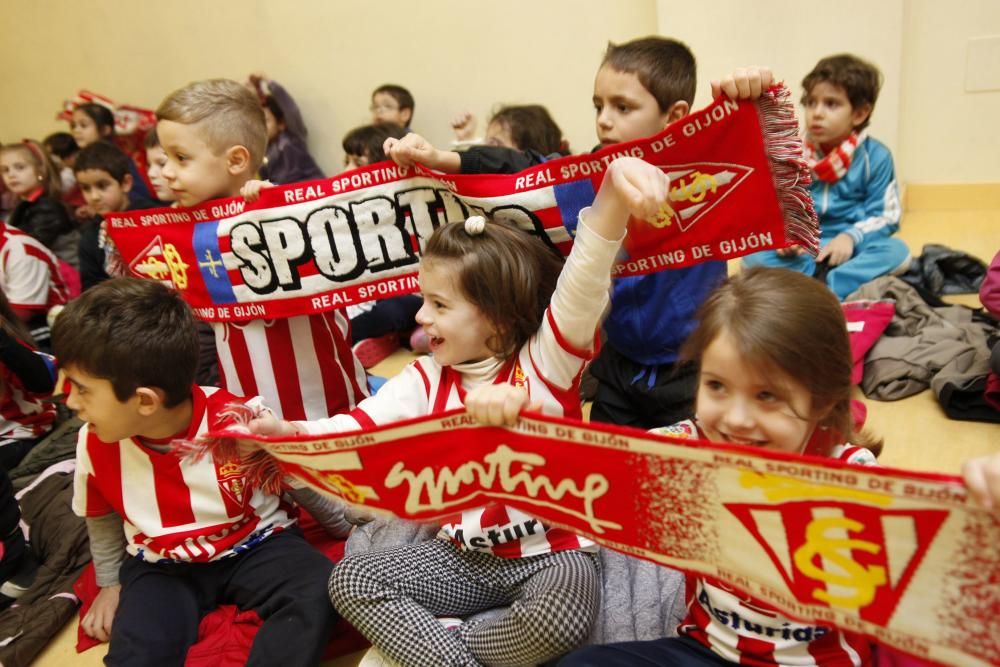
[[505, 318], [173, 537]]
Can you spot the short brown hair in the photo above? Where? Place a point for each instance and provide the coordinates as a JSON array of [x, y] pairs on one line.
[[664, 67], [230, 113], [531, 128], [860, 80], [368, 140], [402, 96], [784, 320], [133, 333], [505, 272]]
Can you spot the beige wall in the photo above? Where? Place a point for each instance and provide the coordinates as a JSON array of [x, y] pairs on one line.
[[457, 54], [947, 135], [452, 54]]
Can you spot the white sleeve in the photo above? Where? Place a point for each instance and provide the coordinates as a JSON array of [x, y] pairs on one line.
[[566, 338], [25, 278], [401, 397]]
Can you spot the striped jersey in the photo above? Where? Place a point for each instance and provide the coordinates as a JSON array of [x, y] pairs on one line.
[[548, 367], [303, 367], [23, 414], [29, 272], [174, 508]]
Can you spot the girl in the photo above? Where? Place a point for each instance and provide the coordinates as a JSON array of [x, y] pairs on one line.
[[288, 159], [527, 127], [774, 372], [496, 317], [30, 174], [93, 122]]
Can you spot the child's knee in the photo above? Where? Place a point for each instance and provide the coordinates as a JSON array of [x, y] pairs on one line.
[[349, 580]]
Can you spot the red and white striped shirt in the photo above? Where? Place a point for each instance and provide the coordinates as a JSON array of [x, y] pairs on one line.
[[746, 631], [303, 367], [548, 366], [29, 272], [23, 415], [176, 508]]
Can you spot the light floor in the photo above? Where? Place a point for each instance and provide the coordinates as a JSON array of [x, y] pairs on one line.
[[917, 434]]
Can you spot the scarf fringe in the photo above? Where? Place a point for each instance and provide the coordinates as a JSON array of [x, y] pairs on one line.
[[783, 144], [259, 469]]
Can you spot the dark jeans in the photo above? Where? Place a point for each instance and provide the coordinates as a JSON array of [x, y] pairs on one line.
[[631, 394], [658, 652], [283, 579]]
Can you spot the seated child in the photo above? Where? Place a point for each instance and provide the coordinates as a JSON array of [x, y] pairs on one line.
[[30, 174], [31, 280], [854, 185], [392, 104], [27, 377], [104, 175], [774, 371], [508, 325], [92, 122], [363, 145], [288, 159], [526, 127], [182, 535], [62, 148], [156, 157]]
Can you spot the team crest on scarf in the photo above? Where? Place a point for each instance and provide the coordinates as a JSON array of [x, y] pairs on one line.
[[519, 379], [162, 262], [695, 189]]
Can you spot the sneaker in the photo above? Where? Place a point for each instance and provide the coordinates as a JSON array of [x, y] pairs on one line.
[[370, 351], [23, 579], [420, 342]]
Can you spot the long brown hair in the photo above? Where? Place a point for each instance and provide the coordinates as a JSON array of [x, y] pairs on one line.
[[790, 322], [505, 272], [48, 172]]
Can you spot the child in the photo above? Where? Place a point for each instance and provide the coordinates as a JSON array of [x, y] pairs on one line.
[[526, 127], [364, 145], [196, 534], [103, 174], [774, 371], [288, 159], [156, 157], [854, 186], [640, 88], [30, 174], [62, 148], [31, 280], [392, 104], [501, 329], [26, 378], [92, 122], [213, 133]]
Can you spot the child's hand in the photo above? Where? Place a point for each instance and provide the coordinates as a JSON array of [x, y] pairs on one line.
[[744, 84], [982, 477], [84, 212], [837, 251], [464, 125], [97, 622], [790, 251], [497, 404], [630, 187], [413, 148], [266, 423], [251, 190]]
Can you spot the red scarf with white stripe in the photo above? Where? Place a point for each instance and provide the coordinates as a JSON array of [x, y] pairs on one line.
[[832, 167]]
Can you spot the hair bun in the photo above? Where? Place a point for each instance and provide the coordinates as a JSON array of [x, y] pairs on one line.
[[475, 225]]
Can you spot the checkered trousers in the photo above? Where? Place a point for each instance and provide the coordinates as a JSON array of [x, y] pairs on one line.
[[394, 596]]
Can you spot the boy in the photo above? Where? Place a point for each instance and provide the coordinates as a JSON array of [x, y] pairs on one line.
[[854, 186], [213, 133], [155, 159], [196, 534], [103, 173], [392, 104], [640, 88]]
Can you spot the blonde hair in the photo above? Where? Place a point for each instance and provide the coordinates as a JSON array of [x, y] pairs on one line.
[[50, 181], [230, 114]]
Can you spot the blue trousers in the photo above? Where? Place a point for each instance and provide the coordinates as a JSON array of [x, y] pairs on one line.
[[873, 257], [654, 653]]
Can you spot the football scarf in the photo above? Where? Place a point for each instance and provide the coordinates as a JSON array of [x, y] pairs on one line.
[[739, 184], [832, 167]]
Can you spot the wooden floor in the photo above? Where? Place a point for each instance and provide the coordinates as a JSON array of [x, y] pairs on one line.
[[917, 434]]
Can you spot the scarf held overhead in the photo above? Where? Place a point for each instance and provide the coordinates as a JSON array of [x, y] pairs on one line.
[[739, 184], [906, 558]]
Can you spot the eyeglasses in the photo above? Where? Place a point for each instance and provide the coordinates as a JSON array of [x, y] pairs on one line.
[[383, 107]]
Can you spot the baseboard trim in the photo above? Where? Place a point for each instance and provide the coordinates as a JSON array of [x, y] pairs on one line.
[[951, 196]]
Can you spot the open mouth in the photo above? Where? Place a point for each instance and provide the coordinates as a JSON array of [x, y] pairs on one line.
[[435, 342], [742, 441]]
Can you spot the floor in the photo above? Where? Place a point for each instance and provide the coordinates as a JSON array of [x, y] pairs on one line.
[[917, 434]]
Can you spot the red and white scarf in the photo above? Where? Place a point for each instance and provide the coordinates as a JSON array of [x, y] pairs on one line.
[[832, 167]]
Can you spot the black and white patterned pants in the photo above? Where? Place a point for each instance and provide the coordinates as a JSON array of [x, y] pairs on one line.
[[394, 596]]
